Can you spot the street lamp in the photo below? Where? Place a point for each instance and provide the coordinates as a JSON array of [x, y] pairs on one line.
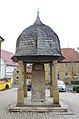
[[1, 40]]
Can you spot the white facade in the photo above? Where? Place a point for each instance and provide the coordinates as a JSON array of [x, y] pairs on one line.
[[6, 71], [2, 69]]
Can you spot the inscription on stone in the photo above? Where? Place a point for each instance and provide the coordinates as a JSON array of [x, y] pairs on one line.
[[38, 67]]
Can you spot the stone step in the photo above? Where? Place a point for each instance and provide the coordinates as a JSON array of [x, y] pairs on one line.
[[37, 109]]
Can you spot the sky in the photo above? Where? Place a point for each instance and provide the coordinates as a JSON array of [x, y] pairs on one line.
[[60, 15]]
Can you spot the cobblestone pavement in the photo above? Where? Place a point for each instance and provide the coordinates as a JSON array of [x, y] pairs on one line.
[[9, 96]]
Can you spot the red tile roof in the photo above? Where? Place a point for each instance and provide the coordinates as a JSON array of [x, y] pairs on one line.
[[70, 55], [6, 56]]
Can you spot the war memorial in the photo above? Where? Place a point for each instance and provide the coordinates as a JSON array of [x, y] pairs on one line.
[[38, 44]]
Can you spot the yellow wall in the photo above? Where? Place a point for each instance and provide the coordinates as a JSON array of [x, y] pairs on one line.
[[62, 69], [69, 69]]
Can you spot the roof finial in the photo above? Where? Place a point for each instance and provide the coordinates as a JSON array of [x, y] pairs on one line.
[[38, 13], [38, 21]]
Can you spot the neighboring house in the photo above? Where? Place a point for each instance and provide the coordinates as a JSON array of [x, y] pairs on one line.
[[28, 73], [7, 65], [68, 69]]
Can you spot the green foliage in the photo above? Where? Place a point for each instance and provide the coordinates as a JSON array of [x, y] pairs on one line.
[[75, 82], [76, 88]]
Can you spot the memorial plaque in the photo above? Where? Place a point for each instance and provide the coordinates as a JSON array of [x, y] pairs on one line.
[[38, 66]]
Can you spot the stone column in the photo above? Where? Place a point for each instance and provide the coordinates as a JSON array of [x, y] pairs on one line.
[[25, 86], [46, 72], [55, 86], [51, 78], [38, 83], [20, 93]]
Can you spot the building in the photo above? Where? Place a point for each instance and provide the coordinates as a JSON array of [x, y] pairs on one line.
[[16, 73], [7, 65], [68, 69], [38, 44]]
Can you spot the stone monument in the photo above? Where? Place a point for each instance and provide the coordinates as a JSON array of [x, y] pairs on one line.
[[38, 44]]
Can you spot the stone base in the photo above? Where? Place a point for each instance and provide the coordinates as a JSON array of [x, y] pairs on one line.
[[55, 96], [46, 106], [20, 97], [37, 108]]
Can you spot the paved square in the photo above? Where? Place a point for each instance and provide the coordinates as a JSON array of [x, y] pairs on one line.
[[8, 97]]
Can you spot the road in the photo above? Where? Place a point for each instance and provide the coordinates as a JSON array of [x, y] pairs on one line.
[[9, 96]]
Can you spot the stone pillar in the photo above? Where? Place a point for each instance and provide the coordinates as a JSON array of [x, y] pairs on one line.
[[38, 83], [25, 86], [51, 78], [46, 69], [55, 86], [20, 93]]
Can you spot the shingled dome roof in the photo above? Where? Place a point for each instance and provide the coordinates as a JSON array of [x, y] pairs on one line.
[[37, 41]]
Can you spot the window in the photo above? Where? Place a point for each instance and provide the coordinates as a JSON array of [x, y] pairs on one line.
[[74, 74], [48, 75], [16, 78], [74, 65], [17, 71], [66, 65], [58, 65], [66, 74], [49, 64], [58, 76]]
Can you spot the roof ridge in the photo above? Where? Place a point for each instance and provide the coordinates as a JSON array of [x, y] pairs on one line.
[[6, 56]]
